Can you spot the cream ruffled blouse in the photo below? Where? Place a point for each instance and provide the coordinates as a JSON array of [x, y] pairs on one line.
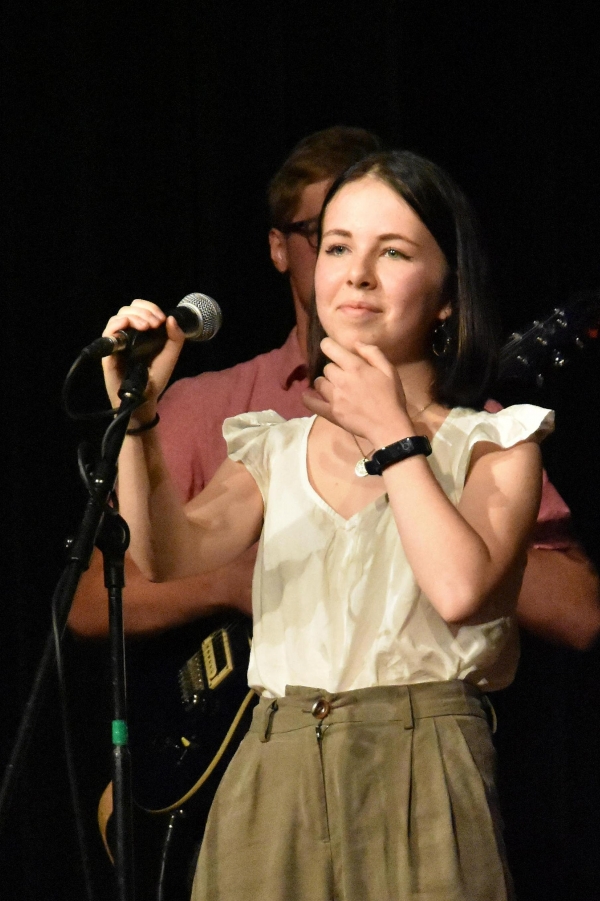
[[335, 603]]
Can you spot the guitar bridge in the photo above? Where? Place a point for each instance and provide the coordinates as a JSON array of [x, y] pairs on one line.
[[191, 680]]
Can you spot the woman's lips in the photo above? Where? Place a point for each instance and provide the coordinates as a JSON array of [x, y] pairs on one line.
[[358, 310]]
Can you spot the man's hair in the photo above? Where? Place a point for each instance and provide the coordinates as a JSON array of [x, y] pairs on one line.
[[465, 373], [322, 155]]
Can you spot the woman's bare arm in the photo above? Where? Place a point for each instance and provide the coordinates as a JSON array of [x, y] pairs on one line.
[[468, 560], [168, 540], [172, 541]]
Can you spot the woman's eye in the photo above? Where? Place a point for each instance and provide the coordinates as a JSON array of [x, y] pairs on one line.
[[335, 250], [395, 254]]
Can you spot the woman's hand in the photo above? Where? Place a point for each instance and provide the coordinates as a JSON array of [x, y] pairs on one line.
[[143, 315], [362, 393]]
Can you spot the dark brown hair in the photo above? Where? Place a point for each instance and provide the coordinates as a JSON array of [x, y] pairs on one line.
[[319, 156], [465, 372]]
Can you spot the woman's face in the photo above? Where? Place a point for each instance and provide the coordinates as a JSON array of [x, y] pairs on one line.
[[380, 273]]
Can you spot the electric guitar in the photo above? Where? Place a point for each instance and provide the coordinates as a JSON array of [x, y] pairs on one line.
[[543, 346], [189, 706]]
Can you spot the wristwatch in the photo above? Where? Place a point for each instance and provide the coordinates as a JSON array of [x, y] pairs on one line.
[[394, 453]]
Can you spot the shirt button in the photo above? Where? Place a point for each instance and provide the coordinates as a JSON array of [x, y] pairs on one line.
[[321, 708]]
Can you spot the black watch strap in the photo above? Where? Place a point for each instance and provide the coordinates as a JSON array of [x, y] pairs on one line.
[[394, 453]]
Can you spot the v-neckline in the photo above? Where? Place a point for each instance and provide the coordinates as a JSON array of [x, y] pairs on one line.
[[380, 501]]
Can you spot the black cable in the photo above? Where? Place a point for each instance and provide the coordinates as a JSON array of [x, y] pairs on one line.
[[69, 757], [165, 856], [66, 391]]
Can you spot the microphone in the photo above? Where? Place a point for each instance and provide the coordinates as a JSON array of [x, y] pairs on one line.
[[198, 316]]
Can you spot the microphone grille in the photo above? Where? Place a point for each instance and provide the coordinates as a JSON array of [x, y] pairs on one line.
[[208, 313]]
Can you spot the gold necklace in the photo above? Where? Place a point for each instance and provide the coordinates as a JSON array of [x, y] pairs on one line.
[[360, 468]]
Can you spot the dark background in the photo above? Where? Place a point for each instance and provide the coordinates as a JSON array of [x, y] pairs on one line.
[[139, 140]]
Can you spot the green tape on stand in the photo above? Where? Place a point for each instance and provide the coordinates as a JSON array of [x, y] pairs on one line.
[[119, 732]]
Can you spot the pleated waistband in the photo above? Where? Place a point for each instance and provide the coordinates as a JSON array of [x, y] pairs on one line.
[[303, 707]]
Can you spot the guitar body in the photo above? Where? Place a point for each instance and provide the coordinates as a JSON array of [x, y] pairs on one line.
[[189, 707], [166, 845]]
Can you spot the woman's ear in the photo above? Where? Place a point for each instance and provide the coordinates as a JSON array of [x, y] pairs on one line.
[[445, 312], [279, 254], [448, 296]]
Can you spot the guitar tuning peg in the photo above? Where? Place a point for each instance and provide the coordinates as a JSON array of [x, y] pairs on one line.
[[579, 343], [561, 318], [539, 380], [558, 360]]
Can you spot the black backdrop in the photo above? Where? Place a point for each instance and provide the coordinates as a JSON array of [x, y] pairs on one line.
[[139, 140]]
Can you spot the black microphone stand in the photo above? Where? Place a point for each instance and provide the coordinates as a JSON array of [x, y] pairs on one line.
[[103, 527]]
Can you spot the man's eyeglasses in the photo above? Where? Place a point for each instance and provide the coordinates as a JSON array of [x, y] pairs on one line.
[[308, 228]]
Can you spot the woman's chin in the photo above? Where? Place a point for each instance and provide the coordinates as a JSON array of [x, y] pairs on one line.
[[353, 334]]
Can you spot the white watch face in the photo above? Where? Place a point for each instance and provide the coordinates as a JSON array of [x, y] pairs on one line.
[[360, 469]]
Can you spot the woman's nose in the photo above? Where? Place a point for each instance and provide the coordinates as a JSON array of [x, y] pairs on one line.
[[362, 273]]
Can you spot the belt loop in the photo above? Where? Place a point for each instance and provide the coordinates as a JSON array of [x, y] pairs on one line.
[[409, 721], [269, 713]]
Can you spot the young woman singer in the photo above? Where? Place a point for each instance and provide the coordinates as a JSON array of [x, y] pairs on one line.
[[392, 528]]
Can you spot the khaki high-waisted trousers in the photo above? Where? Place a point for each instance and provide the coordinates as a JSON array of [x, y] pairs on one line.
[[379, 794]]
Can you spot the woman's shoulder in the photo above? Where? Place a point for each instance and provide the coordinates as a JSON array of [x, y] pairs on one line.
[[259, 427], [505, 426]]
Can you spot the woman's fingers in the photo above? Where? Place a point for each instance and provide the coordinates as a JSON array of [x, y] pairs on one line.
[[337, 354], [173, 346], [318, 405], [324, 387], [321, 405], [173, 330], [373, 355], [140, 315], [358, 387]]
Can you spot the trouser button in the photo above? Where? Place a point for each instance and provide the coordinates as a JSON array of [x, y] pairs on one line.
[[320, 709]]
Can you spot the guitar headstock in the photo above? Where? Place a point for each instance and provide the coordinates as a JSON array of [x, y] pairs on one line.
[[546, 345]]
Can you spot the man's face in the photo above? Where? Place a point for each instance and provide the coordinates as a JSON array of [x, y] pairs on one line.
[[293, 253]]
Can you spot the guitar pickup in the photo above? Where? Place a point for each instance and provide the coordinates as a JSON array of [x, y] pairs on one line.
[[207, 668], [217, 656]]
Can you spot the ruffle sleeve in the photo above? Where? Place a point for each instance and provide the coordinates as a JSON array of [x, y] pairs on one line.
[[247, 439], [505, 428], [513, 424]]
